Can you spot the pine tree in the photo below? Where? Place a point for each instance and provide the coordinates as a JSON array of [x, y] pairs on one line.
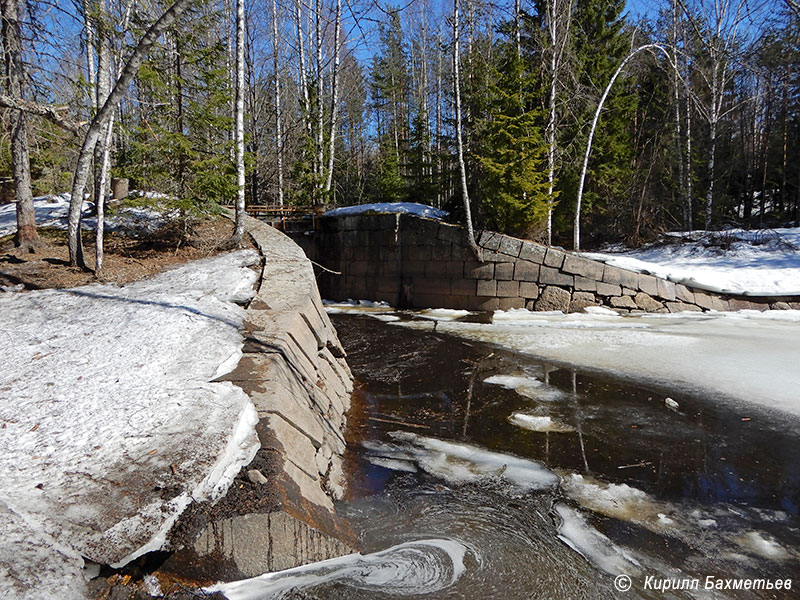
[[513, 188]]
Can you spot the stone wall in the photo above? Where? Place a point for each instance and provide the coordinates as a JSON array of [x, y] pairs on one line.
[[279, 513], [420, 263]]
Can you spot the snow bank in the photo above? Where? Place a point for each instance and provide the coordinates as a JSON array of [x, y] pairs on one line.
[[113, 423], [412, 569], [411, 208], [756, 263]]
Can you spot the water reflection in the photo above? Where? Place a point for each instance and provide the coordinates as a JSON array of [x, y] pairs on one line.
[[700, 488]]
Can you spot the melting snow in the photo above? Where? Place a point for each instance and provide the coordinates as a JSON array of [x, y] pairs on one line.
[[112, 423], [755, 263], [538, 423]]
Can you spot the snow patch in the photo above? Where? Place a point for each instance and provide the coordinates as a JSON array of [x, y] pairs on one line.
[[762, 545], [411, 208], [115, 425]]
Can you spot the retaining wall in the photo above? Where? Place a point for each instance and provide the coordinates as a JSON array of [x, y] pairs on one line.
[[280, 514], [414, 262]]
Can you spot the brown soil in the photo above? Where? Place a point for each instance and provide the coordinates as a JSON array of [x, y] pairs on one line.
[[126, 259]]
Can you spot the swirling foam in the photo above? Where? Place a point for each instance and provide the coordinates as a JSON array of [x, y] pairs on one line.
[[409, 569]]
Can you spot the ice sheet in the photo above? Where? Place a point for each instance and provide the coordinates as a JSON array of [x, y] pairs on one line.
[[412, 208]]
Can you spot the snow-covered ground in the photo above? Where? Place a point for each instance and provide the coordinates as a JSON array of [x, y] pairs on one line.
[[111, 420], [755, 263], [51, 211], [411, 208]]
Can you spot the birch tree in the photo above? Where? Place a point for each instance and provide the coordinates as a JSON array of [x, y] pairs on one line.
[[278, 115], [460, 144], [239, 124], [717, 25], [97, 125], [334, 93], [26, 238]]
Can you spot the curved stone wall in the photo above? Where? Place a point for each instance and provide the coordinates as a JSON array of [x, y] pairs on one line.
[[413, 262]]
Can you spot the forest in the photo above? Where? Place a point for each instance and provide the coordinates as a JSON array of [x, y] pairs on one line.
[[486, 109]]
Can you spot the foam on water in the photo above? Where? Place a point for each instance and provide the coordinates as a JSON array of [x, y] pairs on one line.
[[409, 569], [762, 545], [537, 423]]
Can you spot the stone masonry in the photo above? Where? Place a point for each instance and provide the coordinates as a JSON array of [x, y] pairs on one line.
[[414, 262]]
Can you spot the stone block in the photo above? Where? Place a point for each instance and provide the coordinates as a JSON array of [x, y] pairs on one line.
[[432, 286], [666, 289], [628, 292], [533, 252], [554, 258], [622, 277], [648, 284], [674, 307], [553, 298], [581, 300], [504, 271], [703, 300], [487, 287], [478, 270], [489, 240], [623, 302], [578, 265], [297, 447], [584, 284], [493, 256], [510, 246], [463, 287], [684, 294], [742, 304], [442, 251], [608, 289], [509, 303], [450, 233], [507, 289], [647, 303], [525, 270], [551, 276], [720, 303], [441, 268], [483, 303], [417, 253], [414, 268], [528, 290]]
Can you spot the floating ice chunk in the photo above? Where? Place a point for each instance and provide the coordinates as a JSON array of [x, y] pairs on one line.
[[410, 569], [671, 403], [386, 318], [617, 500], [602, 311], [707, 523], [537, 423], [461, 463], [394, 464], [526, 385], [762, 545], [443, 314], [576, 533]]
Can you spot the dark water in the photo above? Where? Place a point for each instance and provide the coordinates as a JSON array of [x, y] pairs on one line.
[[715, 492]]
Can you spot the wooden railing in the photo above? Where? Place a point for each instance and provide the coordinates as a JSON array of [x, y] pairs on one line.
[[276, 215]]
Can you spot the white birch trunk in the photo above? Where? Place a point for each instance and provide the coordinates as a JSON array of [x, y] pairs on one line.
[[278, 113], [239, 119], [461, 165], [97, 125], [334, 95], [319, 151]]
